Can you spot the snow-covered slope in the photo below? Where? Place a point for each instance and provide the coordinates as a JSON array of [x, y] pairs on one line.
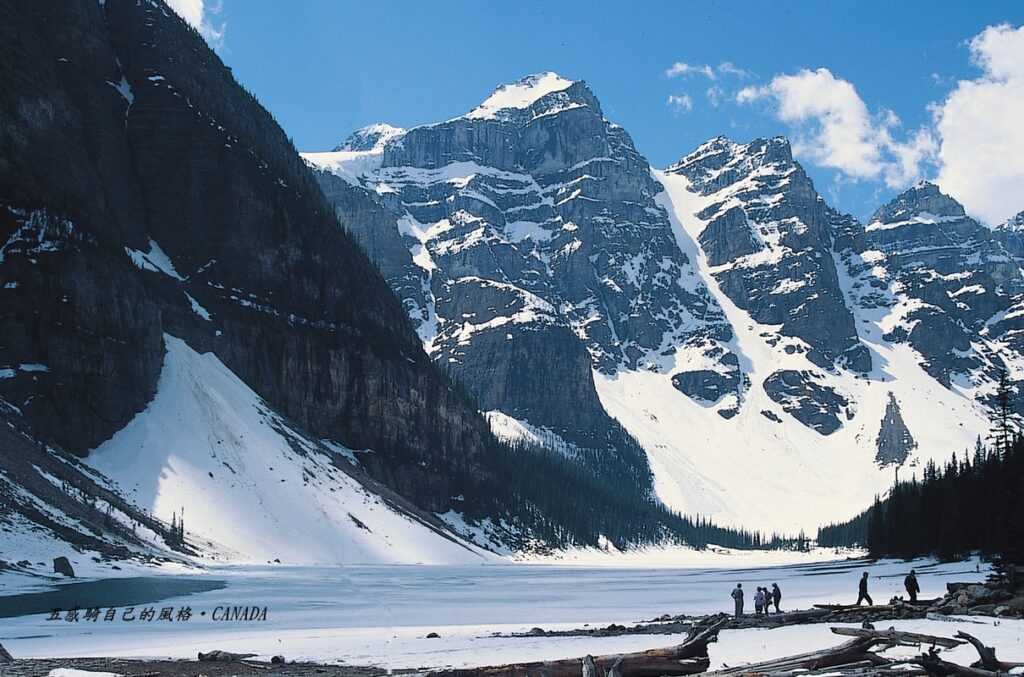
[[520, 94], [250, 487], [762, 468]]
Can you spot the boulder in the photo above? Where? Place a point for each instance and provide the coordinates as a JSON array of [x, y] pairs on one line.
[[62, 566]]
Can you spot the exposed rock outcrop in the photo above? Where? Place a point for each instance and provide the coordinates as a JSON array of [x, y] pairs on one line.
[[894, 441], [815, 405]]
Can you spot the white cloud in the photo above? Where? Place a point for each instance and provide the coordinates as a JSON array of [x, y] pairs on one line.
[[715, 95], [682, 68], [189, 10], [832, 127], [681, 103], [199, 16], [974, 143], [729, 68], [751, 93], [979, 125], [726, 68]]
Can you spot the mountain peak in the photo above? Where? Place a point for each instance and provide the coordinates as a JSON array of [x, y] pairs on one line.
[[520, 94], [1014, 223], [369, 137], [923, 199], [775, 149]]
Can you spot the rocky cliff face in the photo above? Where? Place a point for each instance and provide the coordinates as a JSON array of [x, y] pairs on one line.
[[144, 192], [768, 241], [943, 279], [531, 226]]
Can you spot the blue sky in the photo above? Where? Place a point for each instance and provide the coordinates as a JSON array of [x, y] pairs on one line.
[[325, 68]]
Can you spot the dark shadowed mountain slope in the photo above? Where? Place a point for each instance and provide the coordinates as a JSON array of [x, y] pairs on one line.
[[145, 192], [180, 306]]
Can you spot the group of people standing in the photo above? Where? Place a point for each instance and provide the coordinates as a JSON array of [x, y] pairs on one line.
[[763, 599]]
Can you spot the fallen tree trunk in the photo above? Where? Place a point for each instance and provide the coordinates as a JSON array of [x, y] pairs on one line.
[[622, 665], [936, 667], [688, 658], [777, 620], [933, 616], [224, 656], [988, 659], [856, 607], [855, 651], [894, 636]]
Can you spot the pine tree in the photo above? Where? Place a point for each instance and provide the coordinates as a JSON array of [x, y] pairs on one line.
[[1003, 428]]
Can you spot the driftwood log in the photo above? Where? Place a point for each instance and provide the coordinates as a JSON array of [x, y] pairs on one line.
[[856, 607], [988, 655], [224, 656], [893, 636], [856, 651], [987, 666], [688, 658], [778, 620], [936, 667], [855, 657]]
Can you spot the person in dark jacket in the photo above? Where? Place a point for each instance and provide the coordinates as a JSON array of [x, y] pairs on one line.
[[737, 596], [776, 596], [862, 594], [910, 583]]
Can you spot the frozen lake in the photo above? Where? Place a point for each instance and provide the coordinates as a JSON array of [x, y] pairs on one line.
[[382, 614]]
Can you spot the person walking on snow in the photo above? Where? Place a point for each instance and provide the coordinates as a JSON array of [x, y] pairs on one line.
[[910, 583], [862, 591], [776, 596], [737, 596], [759, 601]]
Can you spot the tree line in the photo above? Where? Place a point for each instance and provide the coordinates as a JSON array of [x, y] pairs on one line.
[[563, 503], [974, 502]]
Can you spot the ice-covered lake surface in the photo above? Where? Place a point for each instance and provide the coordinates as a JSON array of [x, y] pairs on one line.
[[381, 615]]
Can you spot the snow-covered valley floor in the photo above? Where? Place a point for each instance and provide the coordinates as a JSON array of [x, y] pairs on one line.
[[381, 615]]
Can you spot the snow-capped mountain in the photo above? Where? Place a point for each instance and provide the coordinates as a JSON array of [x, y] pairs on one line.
[[118, 240], [531, 226], [185, 326], [774, 358]]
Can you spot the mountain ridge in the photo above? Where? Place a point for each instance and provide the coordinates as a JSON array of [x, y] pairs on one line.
[[778, 255], [183, 307]]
